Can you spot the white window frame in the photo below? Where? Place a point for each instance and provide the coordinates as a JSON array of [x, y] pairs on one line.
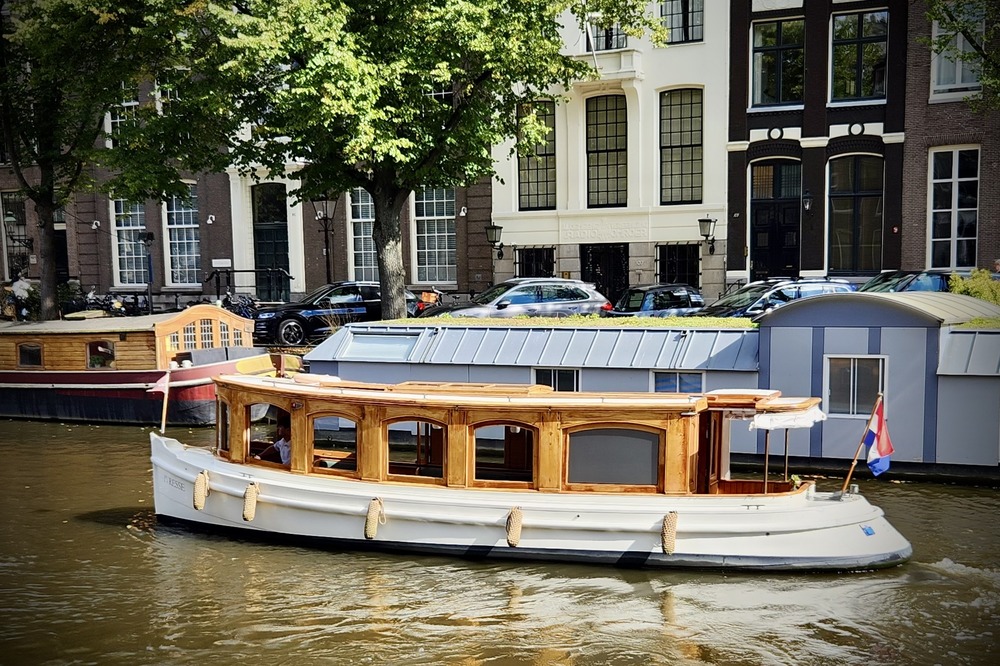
[[957, 91], [362, 257], [178, 223], [955, 211], [128, 221], [435, 237], [574, 373], [865, 411], [122, 113]]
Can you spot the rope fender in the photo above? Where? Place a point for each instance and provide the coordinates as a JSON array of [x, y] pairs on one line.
[[201, 490], [375, 517], [250, 501], [668, 533], [514, 521]]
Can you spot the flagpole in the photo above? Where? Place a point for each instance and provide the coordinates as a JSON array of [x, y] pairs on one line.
[[854, 462], [163, 414]]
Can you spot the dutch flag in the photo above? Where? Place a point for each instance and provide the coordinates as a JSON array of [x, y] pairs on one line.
[[877, 440]]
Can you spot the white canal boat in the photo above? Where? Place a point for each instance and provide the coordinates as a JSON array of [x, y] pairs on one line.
[[514, 471]]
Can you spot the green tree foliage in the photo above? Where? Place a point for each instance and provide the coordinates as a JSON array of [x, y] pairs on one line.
[[978, 21], [387, 96]]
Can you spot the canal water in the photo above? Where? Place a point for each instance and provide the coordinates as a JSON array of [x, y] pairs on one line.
[[87, 576]]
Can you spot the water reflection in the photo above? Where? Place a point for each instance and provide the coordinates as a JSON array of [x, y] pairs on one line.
[[88, 576]]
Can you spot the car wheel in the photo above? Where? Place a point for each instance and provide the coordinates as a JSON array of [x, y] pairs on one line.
[[290, 332]]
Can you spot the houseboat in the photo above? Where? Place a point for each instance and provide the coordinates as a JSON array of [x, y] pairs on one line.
[[515, 472], [124, 369]]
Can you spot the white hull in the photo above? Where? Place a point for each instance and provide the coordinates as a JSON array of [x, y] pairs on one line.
[[806, 530]]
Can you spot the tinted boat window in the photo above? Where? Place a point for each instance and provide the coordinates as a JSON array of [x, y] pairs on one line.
[[614, 455]]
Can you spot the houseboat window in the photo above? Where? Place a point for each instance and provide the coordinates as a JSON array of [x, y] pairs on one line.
[[335, 444], [100, 354], [237, 337], [174, 341], [559, 379], [416, 448], [614, 455], [504, 453], [29, 355], [222, 432], [854, 384], [207, 339], [677, 382], [190, 340], [224, 333], [270, 433]]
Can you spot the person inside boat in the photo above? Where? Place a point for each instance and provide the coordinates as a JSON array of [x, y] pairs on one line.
[[281, 450]]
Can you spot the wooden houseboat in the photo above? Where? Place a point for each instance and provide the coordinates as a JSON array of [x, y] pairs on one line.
[[114, 369], [515, 471]]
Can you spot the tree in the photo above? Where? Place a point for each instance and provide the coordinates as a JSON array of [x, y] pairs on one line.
[[978, 22], [63, 64], [387, 96]]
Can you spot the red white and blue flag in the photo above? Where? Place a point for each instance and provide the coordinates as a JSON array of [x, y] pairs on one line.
[[877, 440]]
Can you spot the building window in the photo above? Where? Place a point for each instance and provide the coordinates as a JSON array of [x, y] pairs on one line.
[[605, 39], [363, 256], [29, 355], [777, 62], [680, 146], [558, 379], [679, 263], [184, 239], [607, 151], [535, 262], [951, 73], [853, 384], [100, 354], [123, 114], [678, 382], [859, 55], [954, 207], [536, 173], [684, 19], [14, 236], [435, 223], [856, 214], [131, 265]]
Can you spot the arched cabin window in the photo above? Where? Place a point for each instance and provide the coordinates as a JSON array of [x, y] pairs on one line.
[[614, 456], [504, 453], [270, 434], [335, 445], [416, 448], [29, 355], [100, 355]]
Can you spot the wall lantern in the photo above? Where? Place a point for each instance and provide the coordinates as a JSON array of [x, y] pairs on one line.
[[706, 227], [807, 201], [493, 232]]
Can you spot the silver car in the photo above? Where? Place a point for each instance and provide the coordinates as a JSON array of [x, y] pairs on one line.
[[529, 297]]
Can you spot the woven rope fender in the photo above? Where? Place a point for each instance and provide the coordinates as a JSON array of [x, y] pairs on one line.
[[250, 501], [201, 490], [668, 533], [514, 520], [375, 517]]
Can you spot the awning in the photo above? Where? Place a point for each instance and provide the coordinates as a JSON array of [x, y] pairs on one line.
[[776, 420]]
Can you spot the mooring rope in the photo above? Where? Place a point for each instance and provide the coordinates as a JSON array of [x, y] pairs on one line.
[[668, 533], [514, 521], [201, 490], [250, 501], [375, 517]]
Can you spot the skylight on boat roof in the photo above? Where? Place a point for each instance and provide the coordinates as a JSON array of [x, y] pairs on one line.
[[380, 346]]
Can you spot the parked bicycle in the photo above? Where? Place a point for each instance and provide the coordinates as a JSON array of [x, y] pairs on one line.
[[244, 305]]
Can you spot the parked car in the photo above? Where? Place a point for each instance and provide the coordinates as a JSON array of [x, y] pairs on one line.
[[532, 297], [658, 300], [924, 280], [759, 297], [325, 308]]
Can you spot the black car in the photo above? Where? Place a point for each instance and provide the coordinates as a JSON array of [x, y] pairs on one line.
[[759, 297], [658, 300], [321, 311], [928, 280]]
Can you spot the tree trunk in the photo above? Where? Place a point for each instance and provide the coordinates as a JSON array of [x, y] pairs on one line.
[[389, 199], [46, 260]]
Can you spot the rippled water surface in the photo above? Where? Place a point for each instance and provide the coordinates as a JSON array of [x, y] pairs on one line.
[[88, 577]]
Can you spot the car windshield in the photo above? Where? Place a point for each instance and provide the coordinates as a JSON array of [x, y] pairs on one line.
[[887, 282], [743, 297], [491, 294], [317, 294]]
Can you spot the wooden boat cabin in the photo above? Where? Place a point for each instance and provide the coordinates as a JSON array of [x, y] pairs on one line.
[[493, 435]]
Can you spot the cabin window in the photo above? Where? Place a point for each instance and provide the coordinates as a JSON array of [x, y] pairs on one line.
[[677, 382], [416, 448], [207, 338], [237, 337], [29, 355], [335, 444], [621, 456], [504, 452], [174, 341], [222, 432], [558, 378], [853, 384], [224, 333], [270, 433], [100, 354], [190, 339]]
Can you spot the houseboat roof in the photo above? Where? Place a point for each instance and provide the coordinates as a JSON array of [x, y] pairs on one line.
[[587, 347], [100, 325], [885, 309]]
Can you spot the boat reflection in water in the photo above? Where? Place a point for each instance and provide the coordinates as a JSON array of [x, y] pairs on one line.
[[516, 472]]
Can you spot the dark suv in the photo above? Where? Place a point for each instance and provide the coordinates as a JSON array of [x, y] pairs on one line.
[[658, 300], [529, 297], [324, 309], [757, 298], [929, 280]]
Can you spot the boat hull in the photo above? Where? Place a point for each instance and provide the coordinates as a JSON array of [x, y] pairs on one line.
[[796, 531]]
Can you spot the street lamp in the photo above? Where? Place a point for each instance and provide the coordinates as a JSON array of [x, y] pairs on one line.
[[326, 226], [147, 239], [706, 227], [21, 238], [493, 232]]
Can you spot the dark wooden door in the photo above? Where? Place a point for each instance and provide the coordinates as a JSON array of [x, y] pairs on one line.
[[270, 241], [775, 219]]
